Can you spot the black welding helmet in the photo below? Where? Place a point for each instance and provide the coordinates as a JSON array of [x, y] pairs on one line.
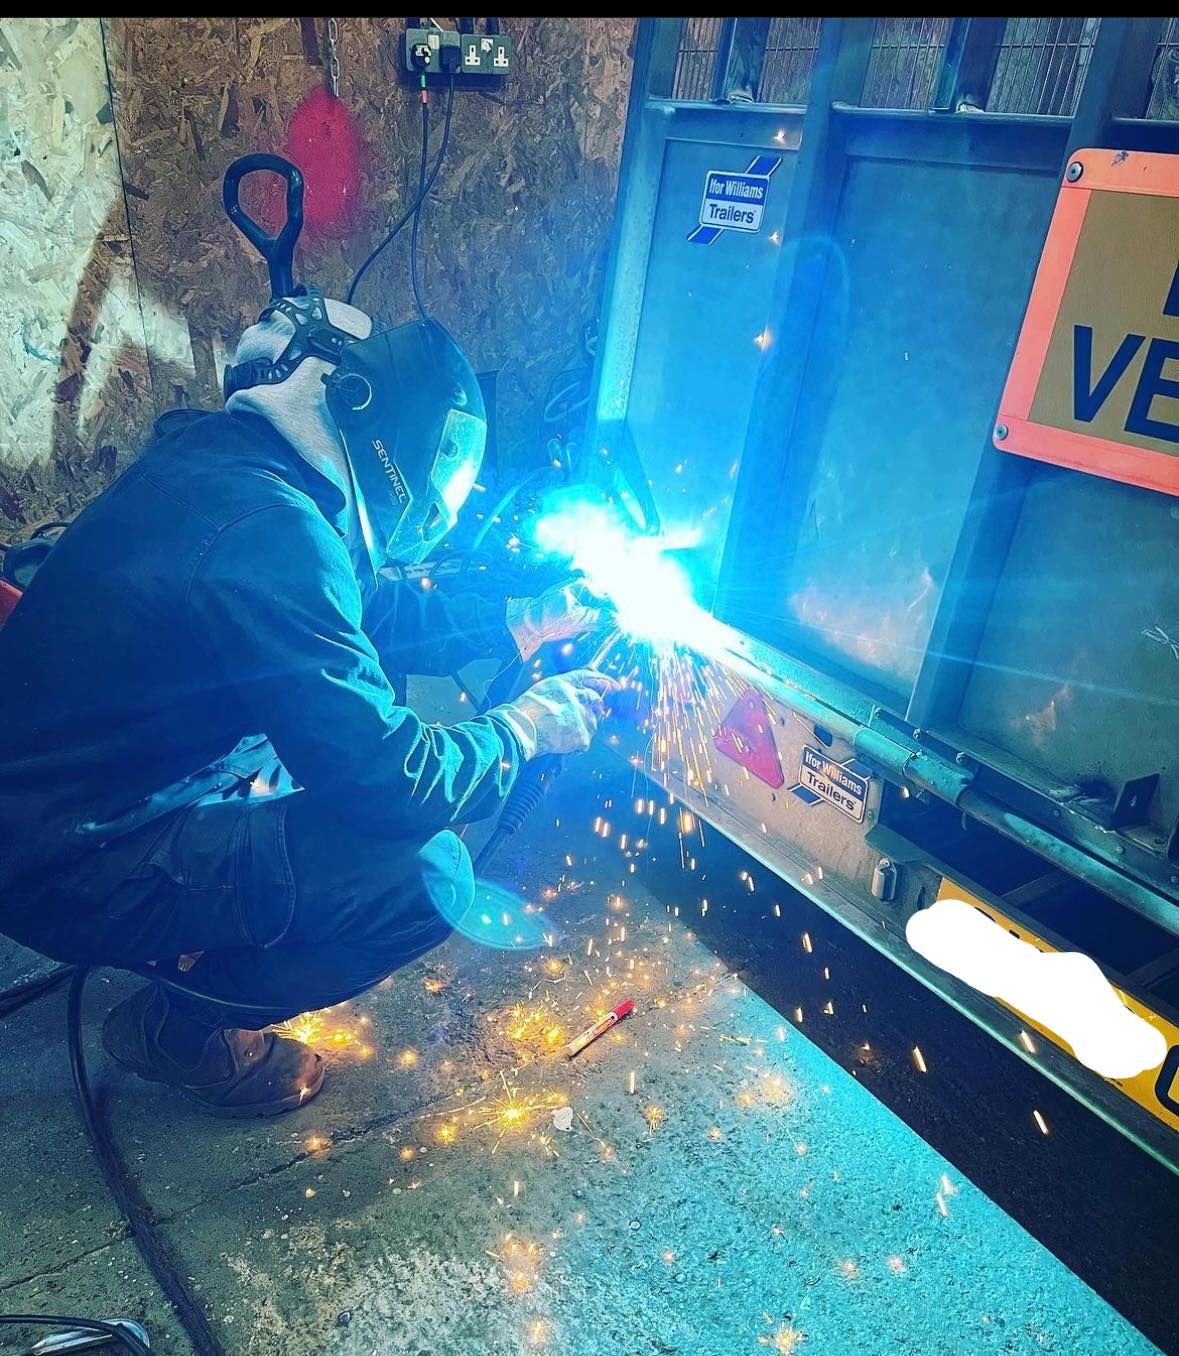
[[404, 400], [410, 414], [405, 403]]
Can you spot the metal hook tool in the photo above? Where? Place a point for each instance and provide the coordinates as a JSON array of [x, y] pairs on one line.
[[277, 250]]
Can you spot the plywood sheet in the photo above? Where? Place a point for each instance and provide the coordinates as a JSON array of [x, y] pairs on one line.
[[514, 239], [125, 286], [72, 364]]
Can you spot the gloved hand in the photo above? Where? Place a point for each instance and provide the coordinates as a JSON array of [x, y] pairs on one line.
[[559, 714], [559, 613]]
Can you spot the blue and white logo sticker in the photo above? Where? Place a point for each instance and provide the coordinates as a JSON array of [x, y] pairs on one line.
[[844, 785], [735, 202]]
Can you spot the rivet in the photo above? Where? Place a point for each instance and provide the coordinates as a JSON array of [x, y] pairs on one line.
[[1000, 431], [1074, 171]]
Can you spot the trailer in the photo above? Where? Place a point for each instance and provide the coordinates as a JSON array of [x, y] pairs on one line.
[[890, 311]]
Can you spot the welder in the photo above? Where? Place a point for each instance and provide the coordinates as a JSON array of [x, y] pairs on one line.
[[203, 753]]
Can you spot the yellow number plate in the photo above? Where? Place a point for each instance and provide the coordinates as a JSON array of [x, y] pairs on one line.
[[1157, 1089]]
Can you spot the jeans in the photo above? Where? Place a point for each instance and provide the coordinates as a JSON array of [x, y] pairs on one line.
[[292, 910]]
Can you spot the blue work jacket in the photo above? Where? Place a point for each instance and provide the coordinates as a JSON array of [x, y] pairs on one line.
[[202, 615]]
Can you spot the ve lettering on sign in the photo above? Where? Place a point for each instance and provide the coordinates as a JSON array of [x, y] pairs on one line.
[[1090, 395]]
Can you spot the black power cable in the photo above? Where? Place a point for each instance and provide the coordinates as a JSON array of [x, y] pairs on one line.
[[411, 212], [156, 1253], [130, 1201], [417, 211], [15, 998], [119, 1331]]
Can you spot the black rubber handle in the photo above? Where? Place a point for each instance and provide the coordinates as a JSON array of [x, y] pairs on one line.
[[277, 250]]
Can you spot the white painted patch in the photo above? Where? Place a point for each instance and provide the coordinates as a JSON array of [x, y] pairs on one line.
[[1063, 991]]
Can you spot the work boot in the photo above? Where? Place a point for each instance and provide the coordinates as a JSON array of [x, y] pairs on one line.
[[226, 1071]]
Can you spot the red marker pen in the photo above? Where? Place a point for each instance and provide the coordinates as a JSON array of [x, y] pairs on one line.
[[590, 1034]]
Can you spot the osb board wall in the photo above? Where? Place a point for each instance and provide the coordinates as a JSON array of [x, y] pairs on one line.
[[512, 247], [74, 384]]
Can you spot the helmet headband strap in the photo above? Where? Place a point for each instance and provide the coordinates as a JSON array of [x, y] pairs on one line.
[[315, 337]]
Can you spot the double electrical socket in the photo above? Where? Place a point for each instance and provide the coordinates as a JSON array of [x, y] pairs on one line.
[[446, 52]]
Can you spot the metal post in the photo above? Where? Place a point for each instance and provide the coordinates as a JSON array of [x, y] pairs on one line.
[[968, 64], [740, 61], [664, 51], [841, 65], [720, 69]]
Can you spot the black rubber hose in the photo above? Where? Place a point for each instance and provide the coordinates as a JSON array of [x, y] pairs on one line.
[[154, 1250], [12, 1000], [67, 1321], [532, 785], [131, 1204]]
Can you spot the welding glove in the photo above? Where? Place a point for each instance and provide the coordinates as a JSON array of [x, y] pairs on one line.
[[559, 613], [559, 714]]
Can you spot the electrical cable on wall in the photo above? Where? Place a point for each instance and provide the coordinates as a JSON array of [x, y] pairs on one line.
[[413, 212], [417, 208]]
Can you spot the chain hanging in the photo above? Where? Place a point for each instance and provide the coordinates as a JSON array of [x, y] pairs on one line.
[[333, 45]]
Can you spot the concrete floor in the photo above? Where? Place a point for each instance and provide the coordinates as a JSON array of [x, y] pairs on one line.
[[747, 1195]]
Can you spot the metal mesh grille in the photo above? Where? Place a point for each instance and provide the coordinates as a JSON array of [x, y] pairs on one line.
[[1042, 65], [699, 43], [906, 55], [1164, 91], [789, 59]]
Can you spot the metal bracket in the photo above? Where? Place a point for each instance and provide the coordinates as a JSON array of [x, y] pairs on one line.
[[1133, 801]]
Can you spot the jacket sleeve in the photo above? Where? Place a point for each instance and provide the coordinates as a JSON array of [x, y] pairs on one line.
[[432, 631], [276, 601]]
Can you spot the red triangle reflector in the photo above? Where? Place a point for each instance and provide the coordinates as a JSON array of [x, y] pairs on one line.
[[746, 736]]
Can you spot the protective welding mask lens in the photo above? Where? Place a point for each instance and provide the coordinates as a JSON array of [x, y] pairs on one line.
[[461, 453]]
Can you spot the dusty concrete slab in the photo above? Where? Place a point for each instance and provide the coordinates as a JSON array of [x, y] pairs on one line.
[[53, 1206], [747, 1194], [18, 964], [109, 1282]]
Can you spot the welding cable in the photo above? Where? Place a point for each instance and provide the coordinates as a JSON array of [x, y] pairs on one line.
[[412, 209], [133, 1206], [12, 1000], [532, 785], [558, 408], [514, 490], [120, 1182], [68, 1322]]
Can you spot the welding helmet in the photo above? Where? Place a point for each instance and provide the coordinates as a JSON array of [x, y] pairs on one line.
[[410, 415], [408, 410]]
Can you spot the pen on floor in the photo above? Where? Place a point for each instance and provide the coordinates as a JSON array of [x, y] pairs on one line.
[[591, 1033]]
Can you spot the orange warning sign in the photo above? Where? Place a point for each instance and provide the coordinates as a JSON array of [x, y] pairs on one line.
[[1094, 383]]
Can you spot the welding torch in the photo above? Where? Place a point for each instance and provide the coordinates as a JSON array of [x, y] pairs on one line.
[[538, 775]]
